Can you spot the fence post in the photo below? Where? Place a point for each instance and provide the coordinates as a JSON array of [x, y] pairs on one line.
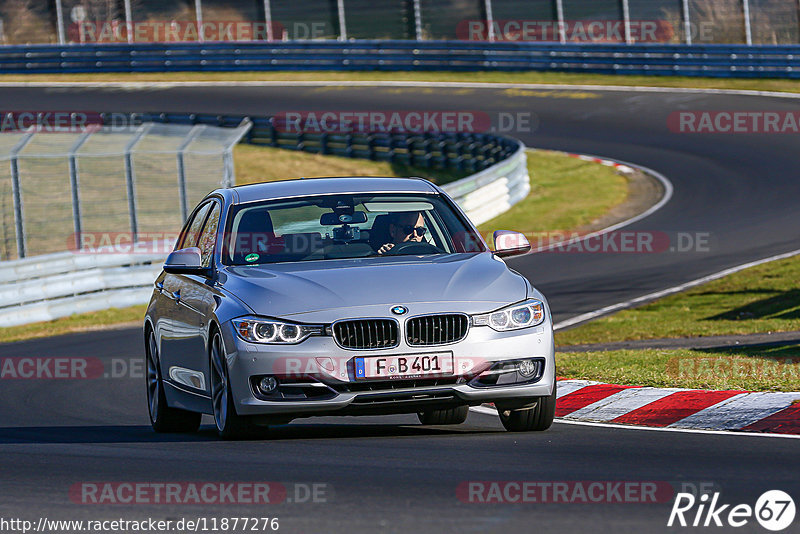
[[130, 177], [198, 11], [16, 191], [184, 199], [128, 21], [418, 19], [268, 19], [487, 6], [74, 183], [342, 22], [748, 32], [60, 22], [626, 21], [687, 22], [562, 33]]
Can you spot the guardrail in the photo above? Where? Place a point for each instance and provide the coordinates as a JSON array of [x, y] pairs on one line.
[[46, 287], [387, 55]]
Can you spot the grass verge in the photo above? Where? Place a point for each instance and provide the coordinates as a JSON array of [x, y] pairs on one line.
[[556, 182], [566, 194], [771, 84], [751, 369], [266, 164], [764, 298], [80, 322]]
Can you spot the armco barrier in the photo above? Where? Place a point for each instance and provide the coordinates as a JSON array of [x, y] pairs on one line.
[[46, 287], [386, 55]]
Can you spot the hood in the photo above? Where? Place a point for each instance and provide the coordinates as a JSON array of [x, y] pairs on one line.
[[476, 282]]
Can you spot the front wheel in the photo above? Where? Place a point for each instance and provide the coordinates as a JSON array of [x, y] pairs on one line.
[[230, 425], [535, 418], [451, 416], [162, 417]]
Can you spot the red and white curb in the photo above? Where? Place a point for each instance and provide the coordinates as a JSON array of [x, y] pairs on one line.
[[621, 167], [674, 408]]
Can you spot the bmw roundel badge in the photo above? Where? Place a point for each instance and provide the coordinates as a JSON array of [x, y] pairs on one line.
[[399, 310]]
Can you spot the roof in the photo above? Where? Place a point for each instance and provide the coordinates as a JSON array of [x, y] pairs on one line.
[[323, 186]]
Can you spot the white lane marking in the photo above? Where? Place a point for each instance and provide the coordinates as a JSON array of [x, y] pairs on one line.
[[491, 411], [398, 83], [566, 387], [620, 403], [582, 318], [739, 411]]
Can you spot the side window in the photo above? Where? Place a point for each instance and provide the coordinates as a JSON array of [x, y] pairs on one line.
[[209, 236], [189, 238]]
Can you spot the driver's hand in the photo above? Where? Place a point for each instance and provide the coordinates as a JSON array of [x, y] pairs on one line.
[[386, 248]]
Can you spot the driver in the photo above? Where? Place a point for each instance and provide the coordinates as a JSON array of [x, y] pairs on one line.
[[404, 227]]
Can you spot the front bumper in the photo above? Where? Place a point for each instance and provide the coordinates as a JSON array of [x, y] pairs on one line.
[[338, 392]]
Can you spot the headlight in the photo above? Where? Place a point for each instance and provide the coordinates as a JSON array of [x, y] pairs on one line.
[[271, 331], [523, 315]]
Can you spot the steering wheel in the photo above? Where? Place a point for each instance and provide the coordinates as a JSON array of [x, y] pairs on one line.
[[413, 248]]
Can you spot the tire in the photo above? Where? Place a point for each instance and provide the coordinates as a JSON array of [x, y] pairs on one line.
[[164, 419], [536, 418], [451, 416], [230, 425]]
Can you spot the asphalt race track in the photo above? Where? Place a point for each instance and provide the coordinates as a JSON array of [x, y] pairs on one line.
[[390, 474]]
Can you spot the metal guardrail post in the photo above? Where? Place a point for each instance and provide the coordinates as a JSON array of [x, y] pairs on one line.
[[748, 32], [487, 6], [74, 183], [268, 19], [130, 177], [626, 21], [60, 22], [562, 31], [184, 199], [418, 19], [128, 21], [342, 22], [687, 22], [16, 191], [198, 11]]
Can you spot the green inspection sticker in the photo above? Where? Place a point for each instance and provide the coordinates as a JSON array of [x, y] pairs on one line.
[[251, 258]]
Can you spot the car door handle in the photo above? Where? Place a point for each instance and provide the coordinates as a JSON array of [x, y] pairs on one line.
[[160, 286], [176, 295]]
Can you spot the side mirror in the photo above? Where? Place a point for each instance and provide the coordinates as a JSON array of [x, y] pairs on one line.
[[508, 243], [186, 261]]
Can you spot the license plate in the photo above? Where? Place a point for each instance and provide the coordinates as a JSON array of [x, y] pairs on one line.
[[404, 366]]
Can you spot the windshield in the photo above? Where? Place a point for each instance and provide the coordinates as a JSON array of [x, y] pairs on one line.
[[345, 226]]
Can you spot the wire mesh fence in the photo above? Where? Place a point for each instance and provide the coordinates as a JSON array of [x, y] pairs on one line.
[[592, 21], [84, 189]]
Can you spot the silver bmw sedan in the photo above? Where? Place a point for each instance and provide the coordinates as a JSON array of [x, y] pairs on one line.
[[343, 296]]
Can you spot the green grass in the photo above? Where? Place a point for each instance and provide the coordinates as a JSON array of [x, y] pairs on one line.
[[75, 323], [768, 84], [764, 298], [266, 164], [556, 182], [753, 369], [566, 194]]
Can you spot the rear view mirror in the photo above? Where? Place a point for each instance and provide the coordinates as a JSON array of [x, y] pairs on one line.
[[332, 219], [186, 261], [508, 243]]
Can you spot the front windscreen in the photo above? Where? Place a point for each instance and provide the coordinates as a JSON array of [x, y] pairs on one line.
[[329, 227]]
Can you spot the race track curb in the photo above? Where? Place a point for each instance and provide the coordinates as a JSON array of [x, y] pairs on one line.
[[744, 411]]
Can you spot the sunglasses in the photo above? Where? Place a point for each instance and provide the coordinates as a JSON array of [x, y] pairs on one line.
[[418, 230]]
